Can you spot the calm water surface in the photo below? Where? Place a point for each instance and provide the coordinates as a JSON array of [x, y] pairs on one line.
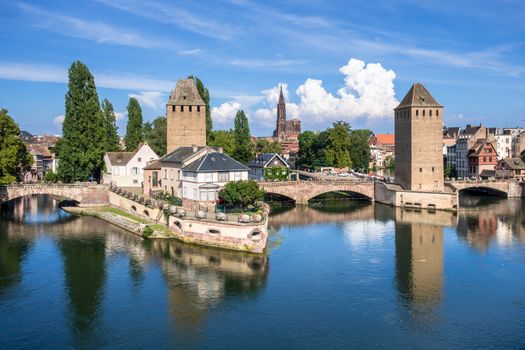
[[345, 274]]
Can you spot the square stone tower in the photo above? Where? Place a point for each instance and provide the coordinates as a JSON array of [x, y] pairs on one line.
[[419, 141], [186, 116]]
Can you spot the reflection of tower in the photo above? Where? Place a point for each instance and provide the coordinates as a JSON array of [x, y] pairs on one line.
[[419, 263]]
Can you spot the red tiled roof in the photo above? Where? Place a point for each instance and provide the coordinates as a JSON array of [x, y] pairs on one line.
[[385, 139]]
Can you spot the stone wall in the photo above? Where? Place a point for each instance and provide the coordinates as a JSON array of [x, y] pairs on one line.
[[396, 196], [85, 194], [134, 208]]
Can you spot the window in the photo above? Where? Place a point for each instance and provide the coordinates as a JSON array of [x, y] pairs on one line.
[[208, 177], [420, 170], [190, 108], [417, 112], [135, 181], [182, 108], [437, 112], [139, 159], [198, 108], [432, 169], [165, 174], [171, 174], [116, 170], [195, 194], [435, 184], [224, 176], [430, 113], [185, 192], [423, 113], [237, 175], [155, 180], [173, 108]]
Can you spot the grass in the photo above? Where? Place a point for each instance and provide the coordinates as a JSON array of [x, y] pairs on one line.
[[121, 212]]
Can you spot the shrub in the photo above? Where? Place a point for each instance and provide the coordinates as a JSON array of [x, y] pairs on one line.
[[241, 193], [147, 232]]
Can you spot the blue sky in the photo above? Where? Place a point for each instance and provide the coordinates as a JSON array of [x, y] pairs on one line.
[[337, 60]]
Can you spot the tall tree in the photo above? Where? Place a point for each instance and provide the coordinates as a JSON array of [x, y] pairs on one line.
[[112, 138], [14, 157], [155, 135], [134, 133], [360, 149], [83, 132], [337, 148], [224, 139], [306, 148], [243, 143], [205, 95]]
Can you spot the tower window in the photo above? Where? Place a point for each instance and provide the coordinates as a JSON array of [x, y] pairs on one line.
[[420, 170], [173, 108], [198, 108], [437, 112], [430, 113], [417, 112], [423, 113], [190, 108], [182, 108], [432, 169]]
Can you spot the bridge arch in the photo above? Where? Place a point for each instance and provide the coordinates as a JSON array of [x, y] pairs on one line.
[[353, 194], [85, 194], [483, 190]]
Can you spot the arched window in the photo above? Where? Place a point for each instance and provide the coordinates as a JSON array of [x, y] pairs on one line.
[[417, 112], [423, 113], [437, 112]]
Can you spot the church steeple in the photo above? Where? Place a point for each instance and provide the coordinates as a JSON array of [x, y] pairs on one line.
[[281, 106]]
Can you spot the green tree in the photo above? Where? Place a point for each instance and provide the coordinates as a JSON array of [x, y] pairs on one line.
[[205, 95], [134, 133], [224, 139], [83, 142], [241, 193], [265, 146], [450, 171], [243, 143], [112, 138], [359, 148], [337, 147], [306, 155], [14, 157], [155, 135]]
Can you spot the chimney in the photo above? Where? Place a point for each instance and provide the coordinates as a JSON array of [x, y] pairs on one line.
[[220, 149], [195, 148]]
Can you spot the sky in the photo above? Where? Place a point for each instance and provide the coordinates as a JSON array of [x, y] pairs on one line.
[[335, 60]]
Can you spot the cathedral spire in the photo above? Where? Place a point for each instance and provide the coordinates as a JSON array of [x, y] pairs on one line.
[[281, 106]]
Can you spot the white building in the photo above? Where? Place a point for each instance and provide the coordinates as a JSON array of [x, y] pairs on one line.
[[504, 145], [126, 169], [203, 178]]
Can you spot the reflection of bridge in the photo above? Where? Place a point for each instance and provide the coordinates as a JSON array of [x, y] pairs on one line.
[[302, 191], [84, 193]]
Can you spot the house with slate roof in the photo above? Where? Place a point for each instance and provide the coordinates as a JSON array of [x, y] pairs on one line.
[[269, 166], [126, 169], [203, 178], [511, 168]]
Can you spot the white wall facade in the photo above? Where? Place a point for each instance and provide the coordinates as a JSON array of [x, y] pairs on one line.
[[131, 174], [192, 183], [504, 146]]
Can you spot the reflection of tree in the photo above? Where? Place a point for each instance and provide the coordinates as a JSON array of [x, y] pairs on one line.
[[13, 251], [85, 273]]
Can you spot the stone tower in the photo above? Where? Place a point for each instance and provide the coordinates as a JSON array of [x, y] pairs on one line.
[[419, 141], [186, 116]]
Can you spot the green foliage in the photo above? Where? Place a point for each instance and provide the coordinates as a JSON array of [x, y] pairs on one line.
[[50, 176], [147, 232], [390, 163], [337, 146], [243, 151], [112, 138], [307, 152], [450, 171], [14, 157], [224, 139], [205, 95], [241, 193], [276, 173], [134, 133], [83, 142], [360, 149], [265, 146], [155, 134], [167, 214]]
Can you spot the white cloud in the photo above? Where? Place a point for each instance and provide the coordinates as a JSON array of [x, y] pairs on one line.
[[368, 92], [189, 52], [263, 63], [153, 99], [120, 115], [91, 30], [59, 120], [225, 113]]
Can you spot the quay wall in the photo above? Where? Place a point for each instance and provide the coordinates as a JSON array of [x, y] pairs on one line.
[[396, 196]]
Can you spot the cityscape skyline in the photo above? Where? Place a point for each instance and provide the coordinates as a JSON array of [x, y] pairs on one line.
[[351, 62]]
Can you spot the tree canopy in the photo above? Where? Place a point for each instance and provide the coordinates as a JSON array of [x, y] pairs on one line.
[[360, 149], [14, 157], [112, 138], [155, 135], [224, 139], [83, 142], [134, 133], [265, 146], [241, 193], [243, 144]]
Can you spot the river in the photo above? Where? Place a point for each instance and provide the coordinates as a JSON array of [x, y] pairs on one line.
[[338, 275]]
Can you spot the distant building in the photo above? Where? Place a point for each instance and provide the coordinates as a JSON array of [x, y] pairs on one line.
[[464, 143], [482, 159], [269, 166], [126, 169], [504, 145], [382, 148], [186, 117], [419, 141], [287, 131], [511, 168], [43, 161]]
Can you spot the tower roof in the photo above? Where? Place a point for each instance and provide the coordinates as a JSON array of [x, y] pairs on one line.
[[418, 96], [281, 96], [185, 94]]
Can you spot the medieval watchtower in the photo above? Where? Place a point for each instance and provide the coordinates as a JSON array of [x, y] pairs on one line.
[[186, 116]]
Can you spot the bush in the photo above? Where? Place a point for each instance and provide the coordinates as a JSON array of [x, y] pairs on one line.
[[51, 177], [147, 232], [241, 193]]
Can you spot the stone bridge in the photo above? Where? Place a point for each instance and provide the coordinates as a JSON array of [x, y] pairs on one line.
[[86, 194], [508, 188], [302, 191]]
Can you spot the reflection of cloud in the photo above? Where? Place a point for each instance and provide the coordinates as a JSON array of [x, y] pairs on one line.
[[359, 233]]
